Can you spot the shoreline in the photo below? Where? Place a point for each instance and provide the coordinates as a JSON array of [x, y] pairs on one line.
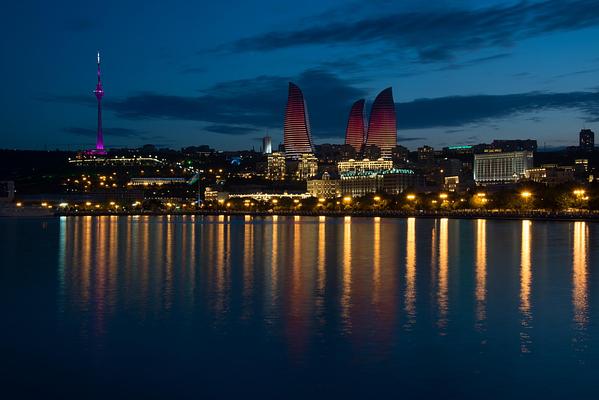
[[497, 215]]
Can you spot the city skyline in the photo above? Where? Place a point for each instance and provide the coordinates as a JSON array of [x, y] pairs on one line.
[[459, 74]]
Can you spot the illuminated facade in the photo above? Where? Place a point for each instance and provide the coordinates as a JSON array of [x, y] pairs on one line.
[[296, 131], [392, 181], [355, 131], [550, 174], [326, 187], [499, 167], [382, 127], [364, 165], [307, 166], [276, 167]]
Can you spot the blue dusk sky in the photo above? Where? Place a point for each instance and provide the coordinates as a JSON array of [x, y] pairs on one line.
[[181, 73]]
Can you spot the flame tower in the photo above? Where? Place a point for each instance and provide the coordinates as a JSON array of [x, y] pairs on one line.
[[296, 131], [99, 92], [355, 132], [382, 128]]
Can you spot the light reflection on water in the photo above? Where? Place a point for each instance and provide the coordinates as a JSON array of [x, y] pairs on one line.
[[383, 295]]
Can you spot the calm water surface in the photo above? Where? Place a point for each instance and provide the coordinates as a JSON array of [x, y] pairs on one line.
[[204, 307]]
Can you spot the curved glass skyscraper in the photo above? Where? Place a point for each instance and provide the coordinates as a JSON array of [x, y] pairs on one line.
[[296, 133], [382, 127], [355, 131]]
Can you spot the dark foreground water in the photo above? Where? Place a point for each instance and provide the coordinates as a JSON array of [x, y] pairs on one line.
[[206, 307]]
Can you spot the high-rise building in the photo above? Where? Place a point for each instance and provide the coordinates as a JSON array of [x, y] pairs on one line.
[[499, 167], [587, 139], [99, 92], [276, 166], [382, 126], [355, 131], [266, 145], [296, 131]]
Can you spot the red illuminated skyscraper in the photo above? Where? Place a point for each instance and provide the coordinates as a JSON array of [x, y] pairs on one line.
[[297, 137], [382, 127], [355, 132]]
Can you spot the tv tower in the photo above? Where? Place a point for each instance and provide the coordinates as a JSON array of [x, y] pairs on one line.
[[99, 92]]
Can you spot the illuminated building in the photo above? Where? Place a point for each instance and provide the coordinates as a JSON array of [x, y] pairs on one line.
[[157, 181], [514, 145], [115, 161], [364, 165], [581, 165], [392, 181], [324, 188], [307, 166], [382, 127], [276, 167], [211, 195], [355, 131], [452, 183], [266, 145], [499, 167], [296, 131], [550, 174], [586, 140]]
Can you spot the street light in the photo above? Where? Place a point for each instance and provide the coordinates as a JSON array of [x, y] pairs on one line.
[[443, 196], [579, 192], [526, 194], [377, 198], [347, 199], [411, 197]]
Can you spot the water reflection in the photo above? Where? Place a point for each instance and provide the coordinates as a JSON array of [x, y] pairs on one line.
[[347, 275], [579, 287], [410, 293], [442, 290], [481, 272], [313, 276], [525, 282]]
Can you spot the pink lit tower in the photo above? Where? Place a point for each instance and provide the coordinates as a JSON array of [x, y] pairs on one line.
[[99, 92]]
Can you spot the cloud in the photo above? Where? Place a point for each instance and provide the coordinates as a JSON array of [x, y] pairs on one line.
[[436, 34], [230, 129], [120, 132], [455, 111], [256, 103], [408, 139]]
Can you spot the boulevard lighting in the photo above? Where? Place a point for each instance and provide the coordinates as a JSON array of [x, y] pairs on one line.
[[296, 201], [481, 194], [63, 205], [88, 203], [275, 201], [19, 204], [526, 195], [443, 196], [377, 198], [321, 200], [579, 192], [44, 204], [347, 199], [411, 197]]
